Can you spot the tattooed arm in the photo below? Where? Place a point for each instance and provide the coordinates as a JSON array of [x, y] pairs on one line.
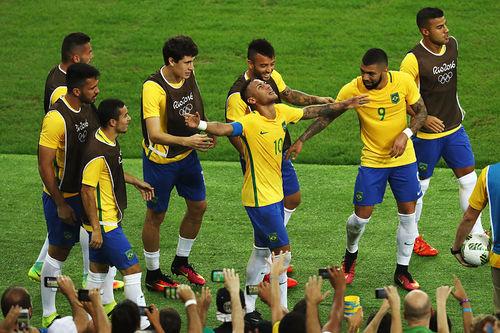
[[296, 97], [417, 121]]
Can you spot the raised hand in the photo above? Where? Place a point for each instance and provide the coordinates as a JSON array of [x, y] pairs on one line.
[[185, 293], [356, 101], [313, 293], [231, 281], [337, 278]]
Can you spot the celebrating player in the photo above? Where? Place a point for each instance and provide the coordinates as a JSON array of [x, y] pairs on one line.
[[104, 198], [64, 133], [433, 64], [263, 132], [170, 160], [387, 156]]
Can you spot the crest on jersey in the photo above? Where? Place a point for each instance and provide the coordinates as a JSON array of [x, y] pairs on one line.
[[395, 98], [273, 237]]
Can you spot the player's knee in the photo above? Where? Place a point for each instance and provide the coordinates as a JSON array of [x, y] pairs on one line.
[[131, 270], [154, 218], [195, 210]]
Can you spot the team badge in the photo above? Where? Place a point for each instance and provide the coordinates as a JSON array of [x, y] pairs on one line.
[[130, 254], [395, 98], [68, 235], [273, 237], [359, 196], [422, 167]]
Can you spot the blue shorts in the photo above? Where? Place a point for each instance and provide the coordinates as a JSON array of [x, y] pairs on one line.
[[186, 175], [268, 225], [115, 250], [59, 233], [289, 176], [370, 184], [454, 148]]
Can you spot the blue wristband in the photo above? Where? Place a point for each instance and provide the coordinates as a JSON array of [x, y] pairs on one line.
[[466, 310]]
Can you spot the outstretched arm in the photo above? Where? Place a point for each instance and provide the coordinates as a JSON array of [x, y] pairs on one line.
[[297, 97], [334, 109], [213, 127]]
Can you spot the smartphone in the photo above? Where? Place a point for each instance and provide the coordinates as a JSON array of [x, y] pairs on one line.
[[217, 275], [142, 310], [23, 320], [323, 272], [170, 292], [252, 290], [83, 295], [380, 293], [50, 282]]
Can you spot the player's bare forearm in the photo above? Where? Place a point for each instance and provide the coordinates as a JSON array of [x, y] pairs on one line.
[[46, 158], [194, 323], [317, 126], [90, 207], [332, 110], [420, 112], [236, 142], [157, 136], [334, 323], [129, 179], [465, 226], [297, 97], [219, 129], [312, 319]]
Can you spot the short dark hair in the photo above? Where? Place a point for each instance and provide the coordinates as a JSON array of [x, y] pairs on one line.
[[109, 109], [293, 322], [125, 317], [433, 326], [301, 306], [77, 74], [178, 47], [426, 14], [15, 296], [385, 323], [243, 91], [260, 46], [72, 41], [375, 56], [170, 320]]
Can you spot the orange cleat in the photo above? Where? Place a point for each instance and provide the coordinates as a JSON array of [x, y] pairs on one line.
[[423, 249], [189, 272], [349, 276], [406, 281]]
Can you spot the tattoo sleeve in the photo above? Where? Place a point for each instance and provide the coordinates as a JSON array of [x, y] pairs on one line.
[[418, 120], [318, 125], [296, 97]]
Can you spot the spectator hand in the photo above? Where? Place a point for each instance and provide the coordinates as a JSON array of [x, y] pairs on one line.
[[393, 297], [277, 265], [459, 292], [204, 299], [337, 278], [66, 286], [153, 316], [313, 290], [185, 293], [9, 324], [355, 321], [231, 281], [265, 292], [442, 293]]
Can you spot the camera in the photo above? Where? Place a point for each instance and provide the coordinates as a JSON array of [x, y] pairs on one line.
[[50, 282], [380, 293], [142, 310], [83, 295], [323, 272], [23, 320], [217, 275], [252, 289]]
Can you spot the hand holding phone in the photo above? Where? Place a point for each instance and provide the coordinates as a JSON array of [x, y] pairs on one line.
[[323, 272], [380, 293], [217, 275], [83, 295], [252, 289], [50, 282]]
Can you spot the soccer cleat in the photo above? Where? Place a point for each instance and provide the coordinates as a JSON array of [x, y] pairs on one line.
[[48, 320], [160, 282], [253, 318], [291, 283], [349, 275], [423, 249], [118, 285], [405, 281], [108, 308], [188, 271], [35, 271]]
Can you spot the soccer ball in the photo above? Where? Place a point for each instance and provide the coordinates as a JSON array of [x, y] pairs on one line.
[[475, 249]]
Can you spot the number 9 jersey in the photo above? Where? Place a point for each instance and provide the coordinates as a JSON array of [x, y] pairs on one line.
[[383, 118]]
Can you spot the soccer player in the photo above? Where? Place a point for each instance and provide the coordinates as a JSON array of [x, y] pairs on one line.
[[261, 60], [433, 64], [63, 135], [75, 48], [487, 190], [170, 158], [387, 156], [263, 132], [104, 198]]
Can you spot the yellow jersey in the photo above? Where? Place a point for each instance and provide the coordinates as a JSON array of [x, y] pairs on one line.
[[263, 144], [383, 118]]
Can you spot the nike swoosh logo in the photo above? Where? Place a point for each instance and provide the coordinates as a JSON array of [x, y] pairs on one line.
[[262, 132], [409, 243]]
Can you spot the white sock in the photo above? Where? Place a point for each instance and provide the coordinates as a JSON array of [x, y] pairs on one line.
[[466, 186], [405, 236], [152, 260], [43, 250], [257, 267], [283, 281], [184, 246], [355, 228], [134, 293], [108, 296], [51, 267], [424, 185], [288, 214], [84, 244], [95, 280]]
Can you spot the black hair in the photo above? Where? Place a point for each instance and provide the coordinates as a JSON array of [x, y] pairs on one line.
[[77, 74], [433, 322], [375, 56], [71, 42], [300, 306], [385, 323], [15, 296], [109, 109], [170, 320], [426, 14], [293, 322], [178, 47], [125, 317], [260, 46], [243, 91]]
